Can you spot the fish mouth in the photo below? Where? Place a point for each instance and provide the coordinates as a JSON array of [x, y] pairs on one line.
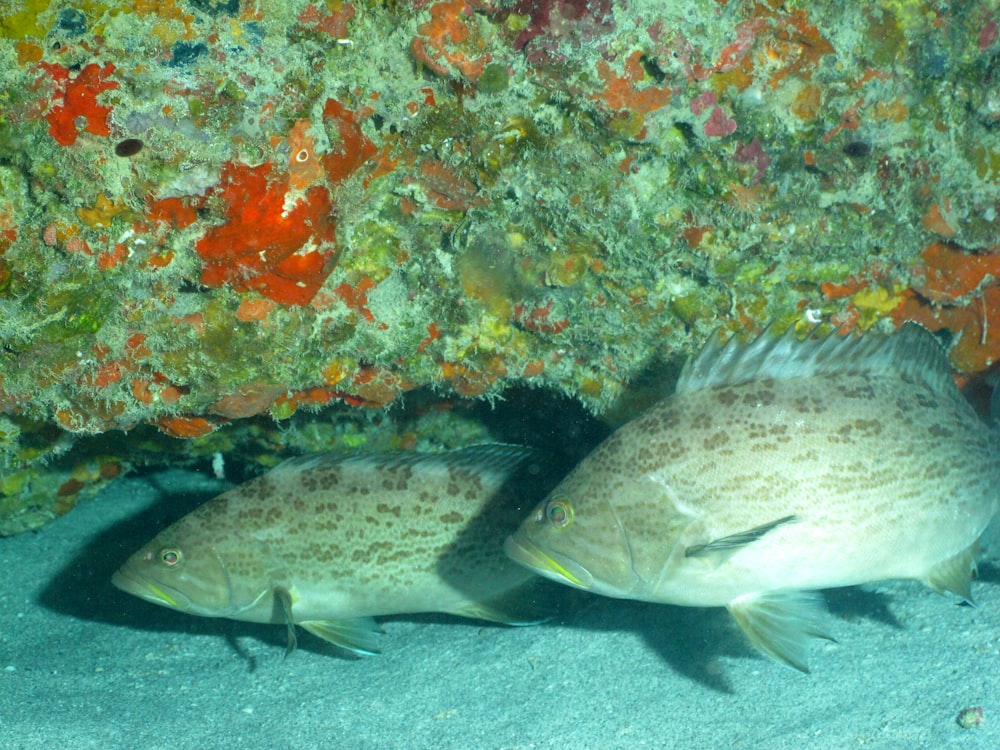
[[151, 592], [525, 552]]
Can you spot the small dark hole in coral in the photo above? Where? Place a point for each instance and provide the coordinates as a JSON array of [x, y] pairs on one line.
[[128, 147], [686, 131], [857, 149], [653, 70]]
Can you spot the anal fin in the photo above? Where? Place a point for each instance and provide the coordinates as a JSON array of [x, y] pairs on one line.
[[358, 635], [955, 573], [780, 623]]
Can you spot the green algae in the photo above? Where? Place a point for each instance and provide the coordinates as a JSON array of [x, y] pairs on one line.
[[27, 22]]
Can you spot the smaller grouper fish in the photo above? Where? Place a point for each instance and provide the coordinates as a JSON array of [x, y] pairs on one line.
[[777, 468], [326, 542]]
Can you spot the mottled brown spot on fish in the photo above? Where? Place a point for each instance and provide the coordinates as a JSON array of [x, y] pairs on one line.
[[726, 396], [809, 404], [252, 513], [869, 427], [675, 448], [761, 396], [780, 432], [855, 390], [702, 420], [395, 510], [937, 431], [368, 553], [715, 441], [419, 533]]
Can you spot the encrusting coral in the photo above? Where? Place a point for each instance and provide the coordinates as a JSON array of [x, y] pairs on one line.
[[210, 212]]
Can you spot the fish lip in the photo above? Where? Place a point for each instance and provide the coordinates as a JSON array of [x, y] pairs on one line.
[[559, 568], [151, 592]]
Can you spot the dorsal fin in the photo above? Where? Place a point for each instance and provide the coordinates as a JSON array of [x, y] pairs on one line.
[[912, 352], [498, 458]]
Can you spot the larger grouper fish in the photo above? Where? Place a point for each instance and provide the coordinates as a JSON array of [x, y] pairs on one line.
[[326, 542], [779, 467]]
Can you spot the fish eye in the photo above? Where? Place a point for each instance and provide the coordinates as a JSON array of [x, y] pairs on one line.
[[170, 556], [559, 512]]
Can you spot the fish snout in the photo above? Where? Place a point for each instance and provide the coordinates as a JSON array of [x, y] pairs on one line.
[[143, 588]]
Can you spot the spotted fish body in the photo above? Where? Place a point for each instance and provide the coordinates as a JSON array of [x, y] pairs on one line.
[[777, 468], [327, 542]]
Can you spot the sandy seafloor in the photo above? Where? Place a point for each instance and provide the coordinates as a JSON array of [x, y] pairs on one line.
[[83, 665]]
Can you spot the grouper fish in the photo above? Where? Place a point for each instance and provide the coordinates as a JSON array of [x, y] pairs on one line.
[[326, 542], [777, 468]]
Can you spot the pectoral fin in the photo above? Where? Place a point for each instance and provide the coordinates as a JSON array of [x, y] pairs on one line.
[[283, 601], [780, 623], [955, 573], [518, 606], [728, 545], [358, 635]]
